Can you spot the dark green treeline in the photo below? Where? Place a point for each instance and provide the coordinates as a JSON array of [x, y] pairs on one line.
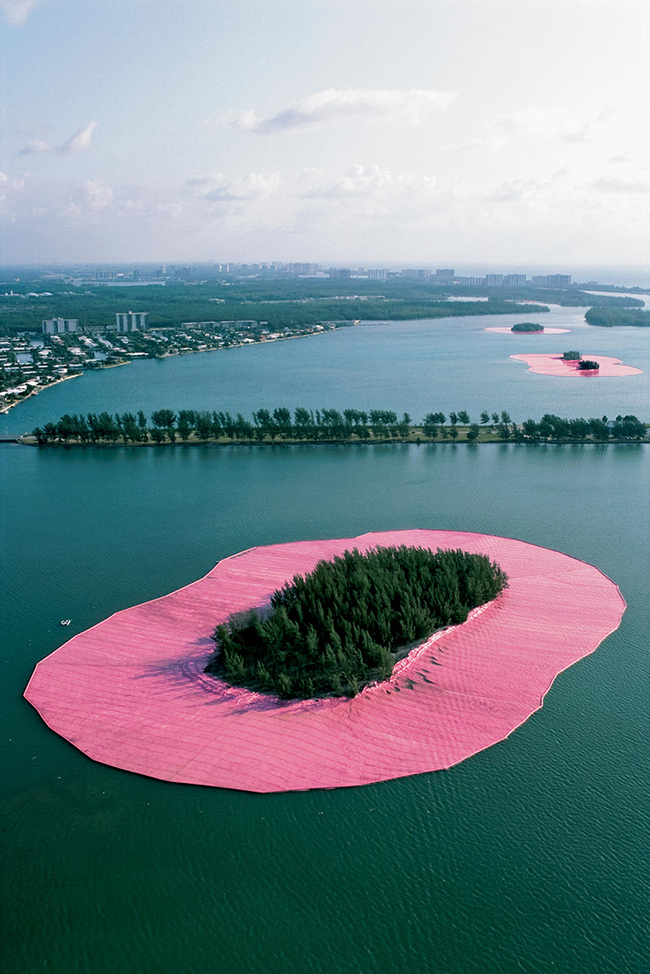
[[324, 425], [336, 629]]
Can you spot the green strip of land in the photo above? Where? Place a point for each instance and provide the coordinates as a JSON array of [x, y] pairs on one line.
[[280, 427]]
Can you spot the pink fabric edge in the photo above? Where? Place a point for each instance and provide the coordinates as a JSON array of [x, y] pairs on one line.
[[517, 334]]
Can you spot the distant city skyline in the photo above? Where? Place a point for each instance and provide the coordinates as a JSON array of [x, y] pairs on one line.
[[381, 132]]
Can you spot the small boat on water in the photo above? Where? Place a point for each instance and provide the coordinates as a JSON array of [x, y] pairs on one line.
[[66, 622]]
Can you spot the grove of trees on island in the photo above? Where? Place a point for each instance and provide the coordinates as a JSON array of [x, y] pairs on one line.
[[324, 426], [618, 317], [584, 364], [342, 626], [527, 326]]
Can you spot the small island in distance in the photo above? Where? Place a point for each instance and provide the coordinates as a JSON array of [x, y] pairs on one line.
[[527, 327], [344, 625], [584, 365]]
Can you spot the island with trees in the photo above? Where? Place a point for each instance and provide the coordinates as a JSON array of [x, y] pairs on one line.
[[618, 317], [462, 690], [344, 625], [281, 427], [527, 327], [605, 366], [584, 364]]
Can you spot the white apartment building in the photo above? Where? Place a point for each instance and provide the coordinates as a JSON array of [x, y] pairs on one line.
[[131, 320], [60, 326]]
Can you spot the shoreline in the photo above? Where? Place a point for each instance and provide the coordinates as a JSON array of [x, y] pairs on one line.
[[64, 378], [35, 392], [26, 439]]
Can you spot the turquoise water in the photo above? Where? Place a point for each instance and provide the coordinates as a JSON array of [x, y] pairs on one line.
[[417, 366], [531, 856]]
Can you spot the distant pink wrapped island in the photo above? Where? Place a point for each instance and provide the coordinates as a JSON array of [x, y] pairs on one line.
[[518, 334], [131, 691], [556, 365]]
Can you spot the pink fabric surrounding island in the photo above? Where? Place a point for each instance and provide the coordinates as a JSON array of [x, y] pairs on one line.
[[546, 331], [555, 365], [131, 691]]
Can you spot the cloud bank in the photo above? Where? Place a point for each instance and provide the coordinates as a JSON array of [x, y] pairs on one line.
[[76, 143], [334, 105], [219, 189], [16, 12]]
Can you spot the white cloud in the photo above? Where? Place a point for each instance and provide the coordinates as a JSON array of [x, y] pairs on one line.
[[621, 186], [516, 190], [357, 181], [550, 123], [16, 12], [10, 187], [219, 189], [76, 143], [335, 105], [96, 194]]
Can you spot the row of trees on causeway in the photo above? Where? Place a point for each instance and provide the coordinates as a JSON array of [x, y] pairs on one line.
[[323, 425], [342, 626]]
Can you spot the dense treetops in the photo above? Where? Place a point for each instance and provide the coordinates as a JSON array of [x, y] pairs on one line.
[[341, 627], [281, 303], [571, 356], [588, 365], [320, 426], [616, 317], [527, 326]]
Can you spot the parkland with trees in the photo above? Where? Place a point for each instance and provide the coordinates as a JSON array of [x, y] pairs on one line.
[[346, 623], [618, 317], [280, 426]]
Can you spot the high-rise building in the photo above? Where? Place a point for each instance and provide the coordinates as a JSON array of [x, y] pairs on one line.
[[471, 281], [60, 326], [445, 274], [514, 280], [417, 273], [558, 280], [539, 280], [131, 320], [340, 273], [378, 274], [494, 280]]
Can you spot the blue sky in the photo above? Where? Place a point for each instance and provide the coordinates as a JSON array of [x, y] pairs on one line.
[[423, 131]]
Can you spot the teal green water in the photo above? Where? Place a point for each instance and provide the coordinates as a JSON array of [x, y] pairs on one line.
[[417, 366], [531, 856]]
